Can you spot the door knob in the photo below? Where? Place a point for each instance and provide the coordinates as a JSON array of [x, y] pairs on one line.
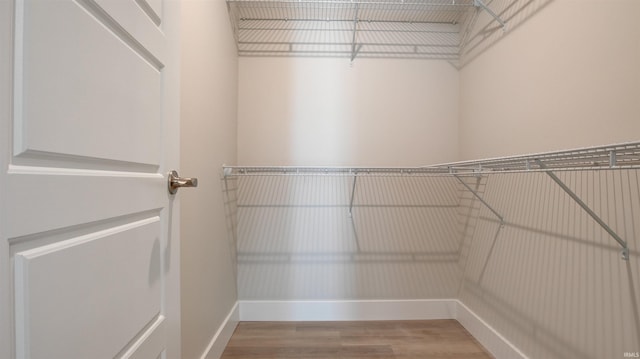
[[175, 182]]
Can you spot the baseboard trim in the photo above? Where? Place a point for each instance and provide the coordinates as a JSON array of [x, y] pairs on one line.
[[341, 310], [484, 333], [221, 338]]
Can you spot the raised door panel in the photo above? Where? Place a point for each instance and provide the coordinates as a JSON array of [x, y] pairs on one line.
[[155, 5], [78, 85], [132, 19], [87, 297], [67, 198]]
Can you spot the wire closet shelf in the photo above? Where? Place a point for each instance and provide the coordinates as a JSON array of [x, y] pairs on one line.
[[609, 157], [432, 29]]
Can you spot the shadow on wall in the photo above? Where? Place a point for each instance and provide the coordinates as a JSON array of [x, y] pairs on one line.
[[551, 280], [483, 31], [296, 239]]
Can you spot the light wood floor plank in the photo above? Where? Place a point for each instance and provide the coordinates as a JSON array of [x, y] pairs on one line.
[[438, 339]]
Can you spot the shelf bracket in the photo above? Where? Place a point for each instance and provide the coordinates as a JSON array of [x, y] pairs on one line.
[[481, 4], [353, 193], [624, 253], [354, 48], [612, 159], [481, 200]]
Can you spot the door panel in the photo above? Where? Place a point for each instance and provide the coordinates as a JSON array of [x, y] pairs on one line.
[[98, 73], [135, 22], [154, 6], [75, 197], [123, 262], [89, 266]]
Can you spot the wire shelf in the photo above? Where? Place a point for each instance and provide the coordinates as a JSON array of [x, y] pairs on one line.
[[414, 28], [624, 156], [615, 156]]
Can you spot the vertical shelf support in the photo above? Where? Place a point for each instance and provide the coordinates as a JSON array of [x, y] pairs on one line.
[[624, 253], [353, 223], [481, 4], [353, 194], [612, 159], [481, 200], [354, 48]]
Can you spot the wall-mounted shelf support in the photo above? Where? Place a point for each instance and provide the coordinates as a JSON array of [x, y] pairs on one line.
[[481, 4], [353, 193], [612, 159], [625, 249], [354, 51], [477, 195]]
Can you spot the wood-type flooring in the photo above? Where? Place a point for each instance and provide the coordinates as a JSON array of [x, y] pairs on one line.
[[438, 339]]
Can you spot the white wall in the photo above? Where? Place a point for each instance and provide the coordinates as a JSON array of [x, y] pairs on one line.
[[568, 77], [310, 111], [295, 237], [551, 280], [208, 139], [297, 241]]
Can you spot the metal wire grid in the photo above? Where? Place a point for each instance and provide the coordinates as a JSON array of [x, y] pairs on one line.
[[483, 30], [422, 29], [616, 156]]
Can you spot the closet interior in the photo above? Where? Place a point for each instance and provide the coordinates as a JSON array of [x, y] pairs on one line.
[[426, 159], [445, 231]]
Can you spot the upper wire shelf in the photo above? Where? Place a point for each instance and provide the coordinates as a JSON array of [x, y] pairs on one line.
[[616, 156], [363, 28]]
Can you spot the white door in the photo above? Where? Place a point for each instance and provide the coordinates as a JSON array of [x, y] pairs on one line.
[[89, 105]]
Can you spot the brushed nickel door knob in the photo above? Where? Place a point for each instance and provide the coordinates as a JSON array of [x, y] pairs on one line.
[[175, 182]]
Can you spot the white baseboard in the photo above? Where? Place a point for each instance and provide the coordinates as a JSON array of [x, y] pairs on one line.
[[493, 341], [336, 310], [221, 338], [339, 310]]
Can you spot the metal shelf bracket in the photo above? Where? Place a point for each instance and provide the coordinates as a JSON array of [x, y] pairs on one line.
[[354, 47], [481, 200], [624, 254], [481, 4], [353, 193]]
